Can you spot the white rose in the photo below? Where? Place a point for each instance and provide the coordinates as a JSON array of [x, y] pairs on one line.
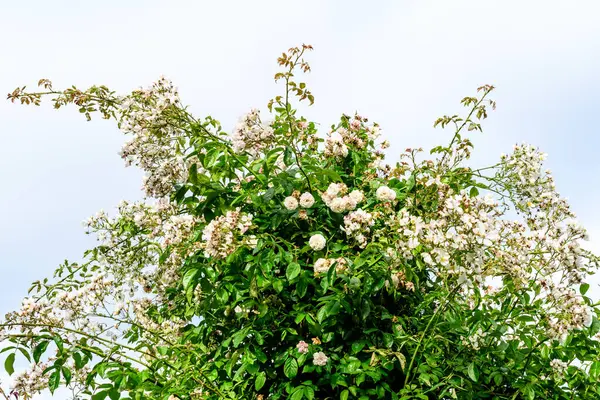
[[427, 258], [384, 193], [290, 203], [321, 266], [335, 188], [342, 150], [307, 200], [338, 205], [357, 196], [317, 242], [349, 203], [320, 359]]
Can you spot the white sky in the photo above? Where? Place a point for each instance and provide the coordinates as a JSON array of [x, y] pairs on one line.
[[401, 63]]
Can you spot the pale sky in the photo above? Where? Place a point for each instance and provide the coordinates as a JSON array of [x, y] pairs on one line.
[[401, 63]]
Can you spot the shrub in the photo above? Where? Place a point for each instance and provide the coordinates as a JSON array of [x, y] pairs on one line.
[[279, 262]]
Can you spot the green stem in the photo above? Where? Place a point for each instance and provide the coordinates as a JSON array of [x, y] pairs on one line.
[[289, 117], [468, 119], [433, 317]]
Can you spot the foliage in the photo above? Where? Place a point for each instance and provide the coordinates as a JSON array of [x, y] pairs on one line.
[[276, 262]]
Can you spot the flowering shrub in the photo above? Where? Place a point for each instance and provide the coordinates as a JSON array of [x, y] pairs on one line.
[[281, 262]]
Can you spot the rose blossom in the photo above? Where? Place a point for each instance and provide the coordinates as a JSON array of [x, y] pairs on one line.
[[290, 203], [317, 242], [307, 200], [321, 265], [302, 347], [384, 193], [320, 359]]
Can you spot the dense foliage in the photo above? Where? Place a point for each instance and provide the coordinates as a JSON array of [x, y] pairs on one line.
[[279, 262]]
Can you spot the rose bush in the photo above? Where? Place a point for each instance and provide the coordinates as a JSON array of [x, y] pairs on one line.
[[282, 262]]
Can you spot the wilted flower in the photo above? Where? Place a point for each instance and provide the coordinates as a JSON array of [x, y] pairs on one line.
[[321, 265]]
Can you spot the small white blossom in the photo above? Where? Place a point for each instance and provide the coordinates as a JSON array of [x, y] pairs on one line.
[[357, 196], [321, 266], [291, 203], [320, 359], [307, 200], [384, 193], [222, 235], [317, 242], [335, 146], [251, 135], [559, 367], [357, 224]]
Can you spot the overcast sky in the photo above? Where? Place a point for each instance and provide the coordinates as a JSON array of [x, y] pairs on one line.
[[401, 63]]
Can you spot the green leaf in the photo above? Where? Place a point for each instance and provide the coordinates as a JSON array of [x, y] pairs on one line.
[[545, 351], [78, 361], [301, 287], [357, 346], [474, 192], [473, 372], [360, 379], [54, 380], [240, 336], [333, 308], [25, 354], [353, 365], [287, 156], [529, 392], [261, 378], [100, 395], [401, 359], [298, 393], [322, 313], [309, 392], [584, 288], [498, 379], [66, 374], [331, 274], [290, 368], [329, 173], [324, 284], [293, 270], [410, 183], [595, 328], [9, 364], [114, 394], [222, 295], [595, 370], [39, 350], [344, 395], [278, 285], [268, 195], [188, 277], [365, 309], [59, 343]]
